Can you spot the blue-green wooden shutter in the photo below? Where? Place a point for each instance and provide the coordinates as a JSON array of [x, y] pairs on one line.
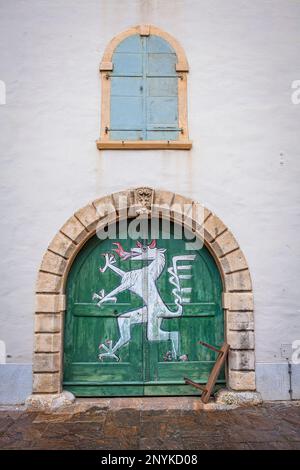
[[144, 94], [126, 102], [162, 93]]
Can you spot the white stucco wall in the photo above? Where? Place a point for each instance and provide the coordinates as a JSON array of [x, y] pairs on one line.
[[244, 164]]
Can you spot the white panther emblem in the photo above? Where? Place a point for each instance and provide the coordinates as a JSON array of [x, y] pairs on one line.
[[154, 310]]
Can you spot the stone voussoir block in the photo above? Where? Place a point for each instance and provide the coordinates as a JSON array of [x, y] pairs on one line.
[[193, 218], [104, 206], [181, 208], [162, 202], [241, 380], [181, 201], [241, 360], [122, 200], [47, 342], [224, 244], [238, 281], [47, 282], [46, 383], [46, 362], [88, 216], [53, 263], [50, 303], [213, 227], [240, 339], [163, 198], [62, 245], [233, 261], [74, 230], [104, 225], [200, 214], [48, 323]]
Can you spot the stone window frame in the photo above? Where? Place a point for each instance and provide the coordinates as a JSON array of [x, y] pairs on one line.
[[80, 227], [182, 68]]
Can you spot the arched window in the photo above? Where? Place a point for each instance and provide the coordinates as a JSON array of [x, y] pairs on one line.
[[144, 75]]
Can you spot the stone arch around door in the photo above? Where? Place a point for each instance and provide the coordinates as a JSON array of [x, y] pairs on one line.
[[80, 227]]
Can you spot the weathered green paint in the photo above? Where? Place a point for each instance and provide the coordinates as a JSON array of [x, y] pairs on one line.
[[141, 369]]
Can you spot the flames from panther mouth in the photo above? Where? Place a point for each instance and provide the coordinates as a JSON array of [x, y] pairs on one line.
[[131, 254]]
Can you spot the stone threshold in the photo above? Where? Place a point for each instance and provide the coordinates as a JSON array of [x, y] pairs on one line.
[[66, 402]]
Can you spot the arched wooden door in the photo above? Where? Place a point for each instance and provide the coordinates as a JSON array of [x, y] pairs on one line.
[[132, 327]]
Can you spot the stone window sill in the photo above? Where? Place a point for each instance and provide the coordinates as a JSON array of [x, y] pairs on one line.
[[143, 144]]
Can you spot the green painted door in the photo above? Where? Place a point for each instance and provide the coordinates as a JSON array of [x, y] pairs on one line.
[[135, 313]]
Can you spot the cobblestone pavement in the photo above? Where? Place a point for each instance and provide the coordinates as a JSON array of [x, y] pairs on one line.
[[106, 426]]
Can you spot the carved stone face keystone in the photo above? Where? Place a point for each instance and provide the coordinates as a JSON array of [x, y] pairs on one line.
[[143, 199]]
